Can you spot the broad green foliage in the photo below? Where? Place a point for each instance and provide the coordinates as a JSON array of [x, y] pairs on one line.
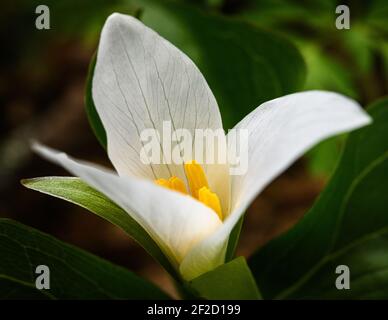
[[347, 225], [353, 62], [75, 191], [322, 159], [232, 280], [338, 60], [91, 111], [233, 240], [74, 274]]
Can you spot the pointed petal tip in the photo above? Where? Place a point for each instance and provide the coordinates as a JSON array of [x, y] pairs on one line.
[[140, 79], [118, 18], [367, 119], [46, 152]]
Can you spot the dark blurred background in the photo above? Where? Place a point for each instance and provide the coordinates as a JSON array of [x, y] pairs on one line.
[[42, 80]]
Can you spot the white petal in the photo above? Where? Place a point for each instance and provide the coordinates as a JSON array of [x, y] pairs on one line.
[[208, 254], [141, 80], [175, 221], [280, 131]]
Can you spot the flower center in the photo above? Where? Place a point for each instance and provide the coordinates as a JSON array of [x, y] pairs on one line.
[[199, 187]]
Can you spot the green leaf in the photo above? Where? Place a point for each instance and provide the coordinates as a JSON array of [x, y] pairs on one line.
[[233, 240], [232, 280], [76, 191], [74, 274], [91, 111], [323, 158], [244, 65], [347, 225], [320, 68]]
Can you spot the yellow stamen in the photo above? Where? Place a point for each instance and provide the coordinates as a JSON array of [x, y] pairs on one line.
[[210, 199], [163, 183], [196, 177], [177, 185], [174, 183], [198, 184]]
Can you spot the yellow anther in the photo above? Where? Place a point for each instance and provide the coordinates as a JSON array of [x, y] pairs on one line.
[[163, 183], [196, 177], [210, 199], [198, 184], [174, 183], [177, 184]]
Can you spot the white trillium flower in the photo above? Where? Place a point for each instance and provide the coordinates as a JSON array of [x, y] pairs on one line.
[[141, 80]]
